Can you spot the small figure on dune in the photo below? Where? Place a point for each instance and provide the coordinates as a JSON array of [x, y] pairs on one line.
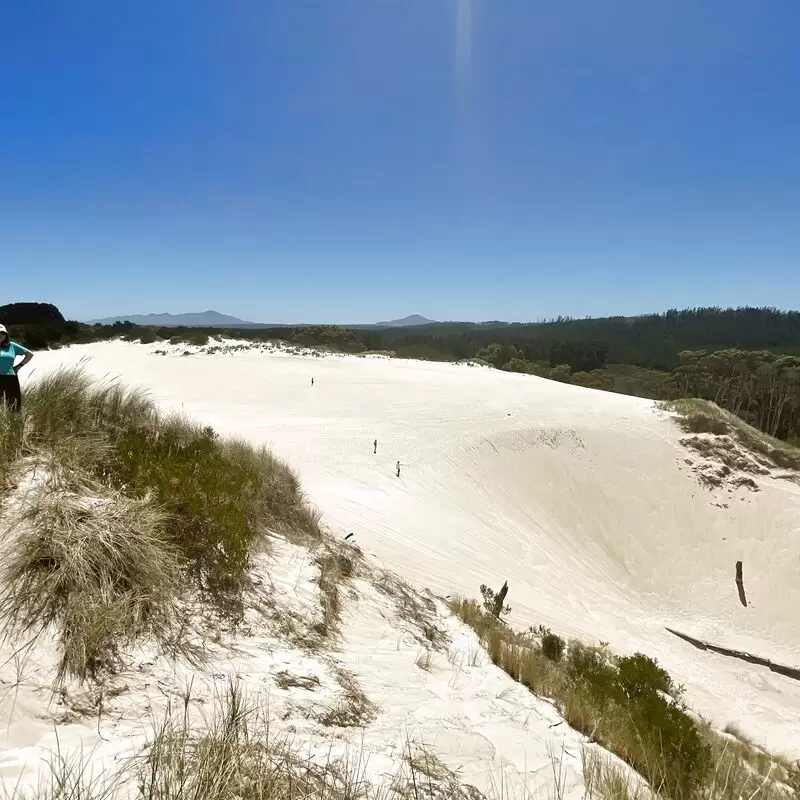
[[375, 446], [312, 381], [398, 469]]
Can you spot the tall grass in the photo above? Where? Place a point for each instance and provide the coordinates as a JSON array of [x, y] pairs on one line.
[[136, 506], [234, 753]]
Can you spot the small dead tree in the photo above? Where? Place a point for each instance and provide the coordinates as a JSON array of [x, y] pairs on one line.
[[493, 603]]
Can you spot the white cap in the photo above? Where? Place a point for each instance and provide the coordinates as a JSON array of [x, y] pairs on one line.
[[3, 329]]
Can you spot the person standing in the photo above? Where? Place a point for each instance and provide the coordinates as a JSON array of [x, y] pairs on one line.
[[312, 381], [10, 392], [375, 446], [398, 469]]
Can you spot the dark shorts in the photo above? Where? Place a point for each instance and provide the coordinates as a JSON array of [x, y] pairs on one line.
[[10, 393]]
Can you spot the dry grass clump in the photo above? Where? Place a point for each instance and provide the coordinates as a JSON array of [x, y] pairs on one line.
[[703, 416], [418, 611], [605, 780], [353, 709], [335, 567], [428, 777], [11, 431], [236, 755], [95, 565], [742, 769]]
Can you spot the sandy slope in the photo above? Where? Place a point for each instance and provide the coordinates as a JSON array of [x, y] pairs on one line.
[[580, 499]]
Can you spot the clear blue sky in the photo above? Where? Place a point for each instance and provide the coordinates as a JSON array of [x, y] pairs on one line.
[[355, 160]]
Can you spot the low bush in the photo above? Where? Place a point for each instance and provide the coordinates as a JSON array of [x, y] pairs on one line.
[[553, 646]]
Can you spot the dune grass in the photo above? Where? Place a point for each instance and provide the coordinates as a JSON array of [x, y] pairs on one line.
[[97, 566], [233, 752], [335, 567], [130, 509], [630, 706], [703, 416]]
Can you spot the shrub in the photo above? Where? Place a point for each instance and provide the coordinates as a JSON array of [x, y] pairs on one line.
[[592, 671], [640, 675], [553, 646], [561, 372]]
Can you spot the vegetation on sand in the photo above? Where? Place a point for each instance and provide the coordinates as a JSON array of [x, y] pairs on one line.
[[630, 706], [121, 510]]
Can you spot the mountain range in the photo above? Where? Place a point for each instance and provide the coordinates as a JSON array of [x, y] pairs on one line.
[[213, 319]]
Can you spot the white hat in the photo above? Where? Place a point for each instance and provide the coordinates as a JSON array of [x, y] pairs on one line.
[[3, 329]]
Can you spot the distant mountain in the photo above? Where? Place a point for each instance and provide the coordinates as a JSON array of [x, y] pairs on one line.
[[213, 319], [199, 319], [406, 322]]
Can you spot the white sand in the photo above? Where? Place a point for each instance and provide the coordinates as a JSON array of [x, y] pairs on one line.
[[580, 499]]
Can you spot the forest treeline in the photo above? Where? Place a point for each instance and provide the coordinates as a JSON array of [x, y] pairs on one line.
[[745, 359]]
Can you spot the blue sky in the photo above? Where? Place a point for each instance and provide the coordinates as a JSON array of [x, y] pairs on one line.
[[355, 160]]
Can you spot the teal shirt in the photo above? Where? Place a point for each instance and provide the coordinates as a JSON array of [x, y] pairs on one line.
[[8, 355]]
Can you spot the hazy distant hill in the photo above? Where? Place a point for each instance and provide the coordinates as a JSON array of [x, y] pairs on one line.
[[406, 322], [213, 319], [199, 319]]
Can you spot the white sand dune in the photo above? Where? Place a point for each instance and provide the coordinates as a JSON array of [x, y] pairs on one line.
[[580, 499]]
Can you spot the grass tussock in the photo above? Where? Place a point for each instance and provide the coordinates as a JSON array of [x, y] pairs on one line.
[[630, 706], [95, 565], [236, 754], [353, 709], [417, 611], [138, 506], [703, 416], [335, 567], [742, 769], [605, 780]]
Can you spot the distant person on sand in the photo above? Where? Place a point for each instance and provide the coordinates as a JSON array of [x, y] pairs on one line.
[[10, 392], [398, 469], [312, 381], [375, 446]]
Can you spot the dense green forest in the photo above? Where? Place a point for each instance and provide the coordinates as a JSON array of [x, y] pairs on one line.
[[745, 359]]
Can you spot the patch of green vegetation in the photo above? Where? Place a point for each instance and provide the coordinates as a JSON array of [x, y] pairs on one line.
[[637, 381], [130, 509]]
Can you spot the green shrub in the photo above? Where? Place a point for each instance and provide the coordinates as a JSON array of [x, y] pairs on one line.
[[593, 672], [640, 675], [553, 646]]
